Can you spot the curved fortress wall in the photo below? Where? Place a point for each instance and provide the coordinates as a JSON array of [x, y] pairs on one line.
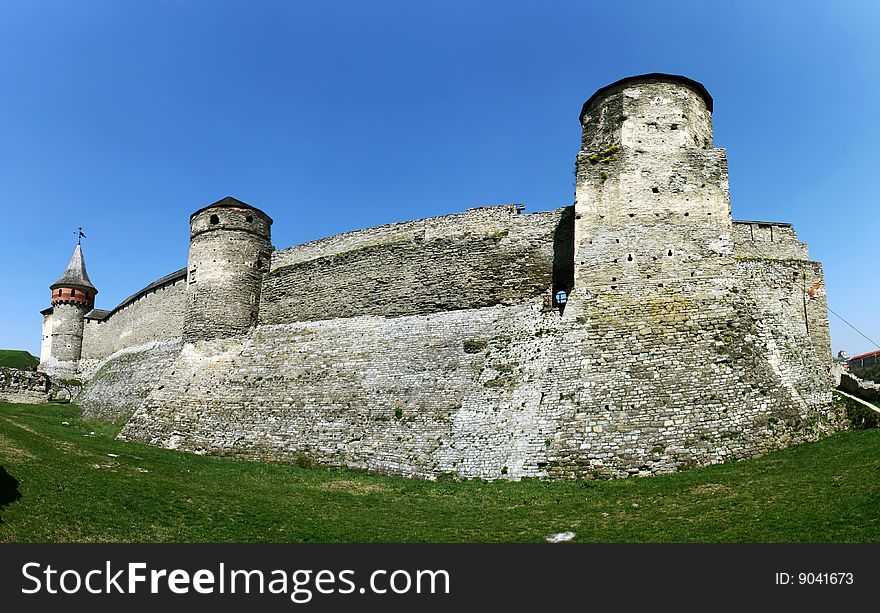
[[485, 256], [125, 350], [434, 347]]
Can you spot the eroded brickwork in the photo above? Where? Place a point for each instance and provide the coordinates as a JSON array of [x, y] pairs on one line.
[[23, 386]]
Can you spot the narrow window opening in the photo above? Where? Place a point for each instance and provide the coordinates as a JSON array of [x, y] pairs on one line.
[[614, 278], [656, 190], [632, 214], [686, 214], [629, 258], [215, 219], [674, 126], [249, 219], [669, 253]]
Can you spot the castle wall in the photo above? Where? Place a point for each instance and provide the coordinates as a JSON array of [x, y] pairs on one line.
[[636, 385], [768, 240], [774, 268], [121, 383], [152, 315], [790, 293], [485, 256]]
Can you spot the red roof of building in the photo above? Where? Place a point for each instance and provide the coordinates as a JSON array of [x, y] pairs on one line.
[[870, 354]]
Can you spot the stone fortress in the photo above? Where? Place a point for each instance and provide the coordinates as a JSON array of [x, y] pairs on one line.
[[639, 331]]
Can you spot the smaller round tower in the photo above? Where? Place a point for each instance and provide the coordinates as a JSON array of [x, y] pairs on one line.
[[229, 251], [73, 295]]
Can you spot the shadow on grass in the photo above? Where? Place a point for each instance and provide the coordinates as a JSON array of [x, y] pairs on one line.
[[8, 489]]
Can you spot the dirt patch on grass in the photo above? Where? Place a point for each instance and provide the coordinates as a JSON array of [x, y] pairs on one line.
[[352, 487], [64, 446], [9, 448], [710, 488], [22, 426]]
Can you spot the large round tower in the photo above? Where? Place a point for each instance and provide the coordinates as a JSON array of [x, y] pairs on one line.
[[229, 251], [652, 205], [73, 295]]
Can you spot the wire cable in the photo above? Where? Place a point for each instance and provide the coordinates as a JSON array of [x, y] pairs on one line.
[[854, 328]]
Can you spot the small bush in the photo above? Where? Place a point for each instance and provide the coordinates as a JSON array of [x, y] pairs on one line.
[[858, 415], [868, 373], [304, 461], [474, 346]]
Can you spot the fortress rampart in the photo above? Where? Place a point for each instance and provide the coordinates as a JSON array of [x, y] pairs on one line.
[[637, 332]]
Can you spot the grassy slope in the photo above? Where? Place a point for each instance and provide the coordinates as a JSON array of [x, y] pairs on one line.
[[72, 490], [13, 358]]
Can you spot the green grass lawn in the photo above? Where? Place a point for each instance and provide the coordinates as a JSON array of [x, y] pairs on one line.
[[73, 489], [12, 358]]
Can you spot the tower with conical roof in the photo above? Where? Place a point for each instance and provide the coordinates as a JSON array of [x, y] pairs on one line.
[[73, 295]]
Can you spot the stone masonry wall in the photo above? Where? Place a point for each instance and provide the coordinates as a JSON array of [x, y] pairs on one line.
[[481, 220], [773, 266], [866, 390], [767, 240], [121, 383], [66, 338], [480, 258], [153, 316], [23, 386], [679, 376]]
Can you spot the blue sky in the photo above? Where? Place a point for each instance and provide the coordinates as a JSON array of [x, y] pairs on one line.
[[124, 117]]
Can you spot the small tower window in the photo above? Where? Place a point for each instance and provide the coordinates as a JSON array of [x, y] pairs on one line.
[[215, 219], [249, 219], [561, 297]]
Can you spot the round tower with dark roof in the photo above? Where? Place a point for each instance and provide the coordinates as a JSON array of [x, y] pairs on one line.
[[73, 295], [229, 252]]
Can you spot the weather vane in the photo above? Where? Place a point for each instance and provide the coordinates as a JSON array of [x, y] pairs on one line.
[[80, 236]]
